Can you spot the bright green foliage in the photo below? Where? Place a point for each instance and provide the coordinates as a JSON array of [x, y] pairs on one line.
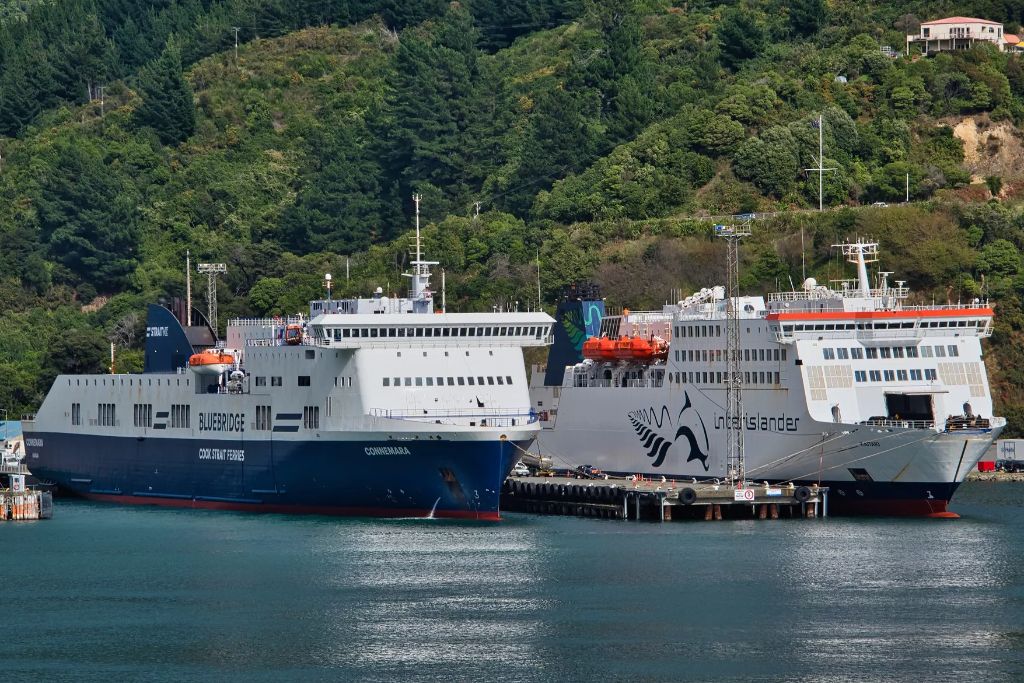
[[770, 161], [167, 105]]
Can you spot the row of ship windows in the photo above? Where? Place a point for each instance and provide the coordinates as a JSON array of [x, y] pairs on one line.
[[699, 331], [441, 381], [718, 355], [821, 327], [857, 353], [751, 378], [142, 415], [114, 382], [403, 332], [912, 375], [302, 380]]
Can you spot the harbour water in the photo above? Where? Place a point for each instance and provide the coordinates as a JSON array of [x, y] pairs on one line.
[[104, 592]]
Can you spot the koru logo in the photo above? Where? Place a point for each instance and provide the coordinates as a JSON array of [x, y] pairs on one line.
[[689, 432]]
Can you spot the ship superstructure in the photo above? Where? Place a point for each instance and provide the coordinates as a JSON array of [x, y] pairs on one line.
[[844, 385], [375, 406]]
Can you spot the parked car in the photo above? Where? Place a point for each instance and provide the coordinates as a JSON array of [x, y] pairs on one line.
[[520, 470], [881, 205], [586, 472]]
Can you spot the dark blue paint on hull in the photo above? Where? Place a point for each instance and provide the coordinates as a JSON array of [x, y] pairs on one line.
[[451, 478]]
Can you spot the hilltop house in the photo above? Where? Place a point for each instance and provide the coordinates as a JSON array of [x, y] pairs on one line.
[[957, 33]]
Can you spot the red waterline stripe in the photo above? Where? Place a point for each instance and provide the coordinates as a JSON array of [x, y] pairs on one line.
[[900, 508], [871, 315], [491, 516]]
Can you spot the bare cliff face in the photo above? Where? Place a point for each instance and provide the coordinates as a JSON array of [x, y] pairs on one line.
[[990, 148]]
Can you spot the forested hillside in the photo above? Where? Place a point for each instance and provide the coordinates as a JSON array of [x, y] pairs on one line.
[[590, 134]]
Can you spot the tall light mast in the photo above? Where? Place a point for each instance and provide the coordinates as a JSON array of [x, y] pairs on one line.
[[734, 464], [212, 270]]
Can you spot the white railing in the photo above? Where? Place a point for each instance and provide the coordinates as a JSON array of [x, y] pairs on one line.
[[486, 417], [267, 322]]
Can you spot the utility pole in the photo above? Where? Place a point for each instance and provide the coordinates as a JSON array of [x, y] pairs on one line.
[[212, 270], [908, 189], [188, 288], [236, 29], [540, 304], [820, 170], [735, 470]]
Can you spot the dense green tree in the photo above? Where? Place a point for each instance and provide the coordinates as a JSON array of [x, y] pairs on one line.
[[88, 217], [806, 17], [167, 106], [741, 36]]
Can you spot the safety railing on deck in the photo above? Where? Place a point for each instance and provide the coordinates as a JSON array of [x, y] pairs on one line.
[[484, 417]]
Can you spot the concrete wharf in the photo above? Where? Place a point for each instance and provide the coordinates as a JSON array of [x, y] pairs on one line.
[[619, 498]]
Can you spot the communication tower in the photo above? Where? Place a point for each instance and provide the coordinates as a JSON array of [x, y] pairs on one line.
[[732, 234], [212, 270]]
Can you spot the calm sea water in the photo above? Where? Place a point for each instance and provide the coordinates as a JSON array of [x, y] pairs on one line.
[[104, 592]]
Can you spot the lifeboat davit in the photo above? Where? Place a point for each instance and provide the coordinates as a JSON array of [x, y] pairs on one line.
[[293, 334], [211, 362]]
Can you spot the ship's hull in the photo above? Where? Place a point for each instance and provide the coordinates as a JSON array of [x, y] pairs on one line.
[[681, 434], [414, 478]]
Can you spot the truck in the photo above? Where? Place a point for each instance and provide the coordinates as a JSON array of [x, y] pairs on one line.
[[1010, 455]]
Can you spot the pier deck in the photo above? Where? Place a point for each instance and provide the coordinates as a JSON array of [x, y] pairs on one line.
[[616, 498]]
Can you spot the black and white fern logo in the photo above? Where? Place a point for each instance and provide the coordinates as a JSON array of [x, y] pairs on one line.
[[687, 431]]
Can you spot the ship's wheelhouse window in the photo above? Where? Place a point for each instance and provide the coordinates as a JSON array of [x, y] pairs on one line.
[[480, 381], [871, 352], [461, 380], [501, 380], [430, 381], [387, 381], [392, 332], [419, 381], [490, 381], [408, 381], [829, 354], [953, 350], [451, 381], [875, 375], [508, 379], [911, 351], [345, 333], [901, 375], [440, 381], [889, 376], [856, 353], [470, 380], [940, 352], [428, 332], [472, 331]]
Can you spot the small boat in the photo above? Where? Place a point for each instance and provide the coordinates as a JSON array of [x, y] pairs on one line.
[[599, 348], [211, 362]]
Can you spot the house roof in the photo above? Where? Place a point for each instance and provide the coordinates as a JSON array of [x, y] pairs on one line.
[[959, 20], [1011, 39]]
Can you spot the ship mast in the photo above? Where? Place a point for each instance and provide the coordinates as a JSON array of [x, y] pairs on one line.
[[734, 464]]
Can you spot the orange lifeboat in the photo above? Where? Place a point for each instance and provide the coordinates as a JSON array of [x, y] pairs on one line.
[[211, 362], [624, 348], [641, 349], [293, 334], [599, 348]]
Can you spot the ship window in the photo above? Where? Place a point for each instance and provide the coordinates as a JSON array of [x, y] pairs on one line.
[[760, 354], [915, 375], [419, 381], [860, 375], [871, 352], [953, 350], [746, 377], [490, 380], [408, 381], [889, 376], [419, 331], [940, 352], [929, 373], [875, 375], [430, 381], [926, 352], [886, 352], [508, 379], [311, 417], [451, 381], [76, 413], [501, 380], [784, 353], [428, 332], [901, 375], [303, 380], [461, 380], [471, 381], [842, 353], [911, 351], [480, 381], [261, 381], [746, 354], [387, 381], [897, 352], [472, 331], [776, 378], [829, 354]]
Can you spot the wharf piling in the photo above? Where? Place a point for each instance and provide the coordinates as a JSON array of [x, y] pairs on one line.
[[615, 498]]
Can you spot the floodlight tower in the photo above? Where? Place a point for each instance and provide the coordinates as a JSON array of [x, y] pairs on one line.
[[212, 270], [734, 464]]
